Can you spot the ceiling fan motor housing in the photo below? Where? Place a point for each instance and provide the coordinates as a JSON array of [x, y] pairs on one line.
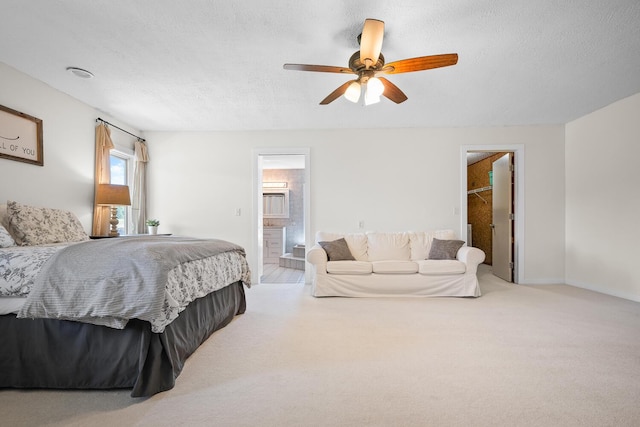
[[356, 65], [361, 70]]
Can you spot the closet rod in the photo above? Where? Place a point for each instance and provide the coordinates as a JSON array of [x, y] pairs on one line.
[[119, 128], [478, 190]]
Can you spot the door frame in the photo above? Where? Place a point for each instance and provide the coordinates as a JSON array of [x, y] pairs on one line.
[[519, 198], [257, 211]]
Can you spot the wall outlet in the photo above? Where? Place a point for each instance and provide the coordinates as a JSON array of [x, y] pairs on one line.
[[238, 211], [361, 224]]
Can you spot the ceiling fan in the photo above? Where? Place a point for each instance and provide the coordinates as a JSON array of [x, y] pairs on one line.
[[368, 64]]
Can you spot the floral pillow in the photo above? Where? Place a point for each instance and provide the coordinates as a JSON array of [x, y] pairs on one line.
[[5, 238], [32, 225]]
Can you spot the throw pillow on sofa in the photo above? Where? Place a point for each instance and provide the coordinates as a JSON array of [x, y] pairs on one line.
[[337, 250], [444, 249]]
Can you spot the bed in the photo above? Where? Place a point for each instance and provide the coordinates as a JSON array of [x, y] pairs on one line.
[[125, 312]]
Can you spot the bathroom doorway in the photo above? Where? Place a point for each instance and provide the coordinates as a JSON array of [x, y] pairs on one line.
[[282, 215]]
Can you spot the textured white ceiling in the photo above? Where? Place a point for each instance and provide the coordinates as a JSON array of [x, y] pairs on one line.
[[217, 65]]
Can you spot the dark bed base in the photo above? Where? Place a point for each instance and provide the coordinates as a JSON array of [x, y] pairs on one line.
[[42, 353]]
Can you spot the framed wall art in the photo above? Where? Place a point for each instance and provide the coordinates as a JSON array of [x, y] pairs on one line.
[[20, 137]]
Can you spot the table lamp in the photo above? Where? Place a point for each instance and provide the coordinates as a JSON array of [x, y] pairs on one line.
[[113, 196]]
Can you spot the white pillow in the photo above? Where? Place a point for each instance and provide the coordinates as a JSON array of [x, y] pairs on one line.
[[5, 238], [419, 242], [388, 246]]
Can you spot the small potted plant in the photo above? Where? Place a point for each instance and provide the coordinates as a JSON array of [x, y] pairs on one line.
[[152, 226]]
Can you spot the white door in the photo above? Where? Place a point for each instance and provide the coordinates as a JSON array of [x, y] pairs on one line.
[[502, 220]]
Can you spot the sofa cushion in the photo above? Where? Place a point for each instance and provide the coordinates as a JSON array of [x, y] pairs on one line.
[[357, 242], [439, 267], [420, 241], [394, 267], [337, 250], [444, 249], [349, 267], [388, 246]]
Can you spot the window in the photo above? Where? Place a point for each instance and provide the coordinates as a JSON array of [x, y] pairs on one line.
[[121, 174]]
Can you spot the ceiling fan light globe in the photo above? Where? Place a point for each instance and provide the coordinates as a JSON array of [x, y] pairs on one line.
[[371, 98], [375, 87], [353, 92]]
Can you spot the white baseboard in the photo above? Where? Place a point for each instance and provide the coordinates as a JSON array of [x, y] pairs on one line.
[[542, 282], [606, 291], [587, 286]]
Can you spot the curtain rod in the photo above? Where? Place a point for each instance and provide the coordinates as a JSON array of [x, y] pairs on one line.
[[112, 125]]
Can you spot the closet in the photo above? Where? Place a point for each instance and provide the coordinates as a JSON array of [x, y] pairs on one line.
[[490, 209]]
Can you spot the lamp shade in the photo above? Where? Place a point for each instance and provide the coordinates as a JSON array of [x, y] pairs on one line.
[[113, 195]]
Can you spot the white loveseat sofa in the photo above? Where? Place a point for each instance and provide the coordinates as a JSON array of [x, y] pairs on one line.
[[377, 264]]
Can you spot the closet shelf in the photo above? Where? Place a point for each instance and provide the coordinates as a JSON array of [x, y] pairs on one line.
[[478, 190]]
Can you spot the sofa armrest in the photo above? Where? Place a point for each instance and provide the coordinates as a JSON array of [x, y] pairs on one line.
[[472, 257], [318, 258]]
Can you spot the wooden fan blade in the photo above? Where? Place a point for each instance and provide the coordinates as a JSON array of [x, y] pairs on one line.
[[392, 91], [318, 68], [336, 93], [421, 63]]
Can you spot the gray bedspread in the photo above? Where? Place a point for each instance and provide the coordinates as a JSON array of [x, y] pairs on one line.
[[110, 281]]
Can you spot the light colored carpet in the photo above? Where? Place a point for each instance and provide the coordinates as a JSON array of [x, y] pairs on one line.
[[517, 356]]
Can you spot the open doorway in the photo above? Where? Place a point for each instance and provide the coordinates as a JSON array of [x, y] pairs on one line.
[[281, 215], [492, 206], [490, 209]]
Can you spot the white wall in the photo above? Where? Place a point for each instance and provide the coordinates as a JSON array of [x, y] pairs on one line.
[[66, 179], [390, 179], [603, 200], [405, 179]]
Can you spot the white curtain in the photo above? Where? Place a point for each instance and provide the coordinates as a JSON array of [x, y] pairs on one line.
[[104, 145], [139, 199]]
